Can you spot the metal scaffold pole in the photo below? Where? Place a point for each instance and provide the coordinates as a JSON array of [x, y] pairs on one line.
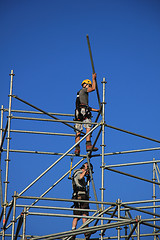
[[109, 215], [1, 193], [7, 158], [14, 214], [103, 148], [154, 194]]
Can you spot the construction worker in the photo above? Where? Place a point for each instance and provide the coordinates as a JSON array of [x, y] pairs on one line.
[[80, 193], [83, 113]]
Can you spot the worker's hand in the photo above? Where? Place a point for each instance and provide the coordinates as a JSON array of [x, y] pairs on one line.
[[94, 75], [86, 170]]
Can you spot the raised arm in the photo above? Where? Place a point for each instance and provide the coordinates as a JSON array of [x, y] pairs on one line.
[[93, 87]]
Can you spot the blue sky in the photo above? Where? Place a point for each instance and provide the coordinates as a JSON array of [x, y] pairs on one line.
[[44, 42]]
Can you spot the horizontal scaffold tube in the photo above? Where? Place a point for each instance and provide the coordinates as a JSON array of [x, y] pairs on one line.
[[132, 133], [140, 210], [130, 175], [50, 120], [52, 165], [132, 164], [36, 112], [86, 230], [44, 133], [66, 200], [54, 208], [40, 152], [73, 216], [46, 113]]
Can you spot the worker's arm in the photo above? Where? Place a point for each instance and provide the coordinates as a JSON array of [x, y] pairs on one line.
[[93, 87], [94, 110], [83, 174]]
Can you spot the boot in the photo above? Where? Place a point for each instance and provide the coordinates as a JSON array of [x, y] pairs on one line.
[[89, 147], [77, 150]]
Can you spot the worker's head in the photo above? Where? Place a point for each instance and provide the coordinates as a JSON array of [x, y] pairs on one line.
[[85, 165], [86, 82]]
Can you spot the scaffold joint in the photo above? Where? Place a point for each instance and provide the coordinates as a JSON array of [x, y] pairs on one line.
[[7, 160]]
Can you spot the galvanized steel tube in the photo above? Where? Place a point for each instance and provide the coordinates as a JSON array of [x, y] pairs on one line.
[[8, 145]]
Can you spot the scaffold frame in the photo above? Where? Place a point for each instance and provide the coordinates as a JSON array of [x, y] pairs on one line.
[[115, 214]]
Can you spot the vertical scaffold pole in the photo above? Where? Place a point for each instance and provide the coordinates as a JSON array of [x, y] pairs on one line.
[[24, 224], [154, 194], [1, 193], [138, 227], [14, 213], [103, 146], [119, 215], [7, 159]]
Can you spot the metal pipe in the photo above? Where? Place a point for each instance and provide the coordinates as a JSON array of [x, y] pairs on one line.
[[93, 70], [90, 152], [42, 174], [45, 133], [103, 149], [126, 152], [14, 214], [145, 207], [130, 234], [138, 227], [154, 195], [113, 214], [49, 189], [31, 105], [91, 176], [140, 210], [8, 145], [1, 192], [146, 222], [51, 120], [156, 170], [40, 152], [119, 216], [66, 200], [111, 237], [84, 230], [36, 112], [72, 216], [53, 208], [2, 110], [132, 164], [132, 133], [24, 224], [130, 175], [142, 201]]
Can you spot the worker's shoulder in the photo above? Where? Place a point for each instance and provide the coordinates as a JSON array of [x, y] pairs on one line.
[[77, 172]]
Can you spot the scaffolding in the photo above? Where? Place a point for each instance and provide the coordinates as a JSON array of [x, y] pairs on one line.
[[107, 220]]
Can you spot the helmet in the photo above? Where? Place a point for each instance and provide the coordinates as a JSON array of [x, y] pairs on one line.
[[87, 81]]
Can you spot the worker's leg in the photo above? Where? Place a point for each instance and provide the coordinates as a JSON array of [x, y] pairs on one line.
[[88, 141], [88, 138], [77, 137], [84, 220], [77, 148], [74, 223]]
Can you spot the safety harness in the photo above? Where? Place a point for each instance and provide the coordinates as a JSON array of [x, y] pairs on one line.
[[80, 105], [77, 189]]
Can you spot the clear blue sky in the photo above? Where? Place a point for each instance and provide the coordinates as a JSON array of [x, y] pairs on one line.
[[44, 42]]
